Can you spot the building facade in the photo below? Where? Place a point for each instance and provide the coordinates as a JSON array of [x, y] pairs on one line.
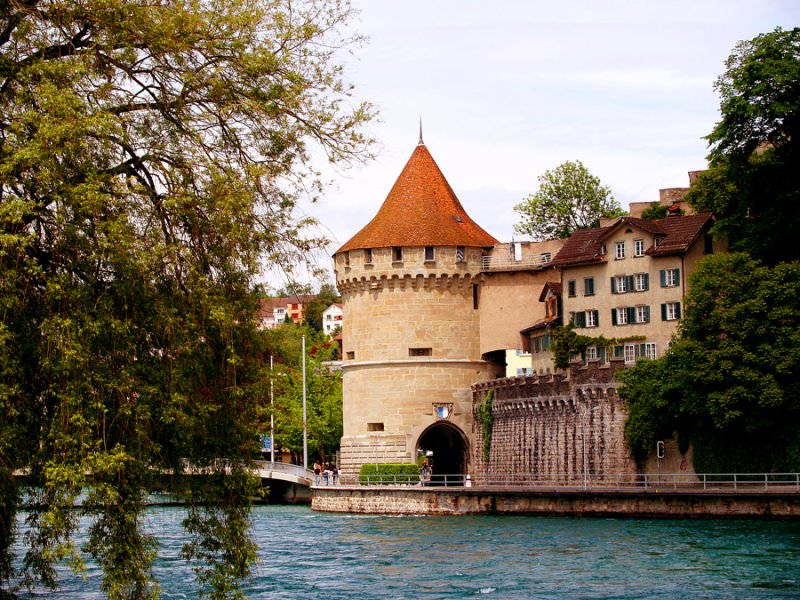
[[629, 280]]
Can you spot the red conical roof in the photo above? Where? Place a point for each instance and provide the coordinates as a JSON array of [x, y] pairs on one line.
[[420, 210]]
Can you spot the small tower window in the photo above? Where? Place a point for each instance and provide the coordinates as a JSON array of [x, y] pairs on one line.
[[397, 254], [420, 351], [430, 253], [460, 254], [368, 256]]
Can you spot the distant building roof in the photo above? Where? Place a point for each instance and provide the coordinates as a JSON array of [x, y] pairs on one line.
[[420, 210], [675, 235]]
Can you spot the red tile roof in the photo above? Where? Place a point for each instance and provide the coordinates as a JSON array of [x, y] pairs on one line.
[[676, 234], [420, 210]]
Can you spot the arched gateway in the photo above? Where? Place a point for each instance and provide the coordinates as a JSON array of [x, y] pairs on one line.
[[410, 282], [446, 448]]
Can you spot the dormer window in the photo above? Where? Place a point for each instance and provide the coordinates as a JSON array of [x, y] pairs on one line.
[[397, 253], [430, 253]]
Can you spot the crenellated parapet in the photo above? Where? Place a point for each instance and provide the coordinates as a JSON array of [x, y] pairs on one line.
[[414, 267], [560, 427]]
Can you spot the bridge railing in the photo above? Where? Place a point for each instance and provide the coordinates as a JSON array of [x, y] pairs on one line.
[[289, 469], [740, 482]]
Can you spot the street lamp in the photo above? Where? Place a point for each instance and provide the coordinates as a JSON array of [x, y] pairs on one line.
[[271, 415], [305, 429], [583, 439]]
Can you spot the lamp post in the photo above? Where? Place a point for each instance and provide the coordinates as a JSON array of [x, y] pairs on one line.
[[271, 415], [305, 429], [583, 439]]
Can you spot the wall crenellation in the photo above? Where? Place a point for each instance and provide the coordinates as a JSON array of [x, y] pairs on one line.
[[559, 428]]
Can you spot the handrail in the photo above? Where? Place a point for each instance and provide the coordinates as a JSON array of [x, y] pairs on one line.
[[737, 482]]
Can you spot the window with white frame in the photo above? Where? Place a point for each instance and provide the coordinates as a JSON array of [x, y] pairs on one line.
[[591, 353], [619, 250], [642, 314], [650, 350], [671, 311], [622, 316], [630, 353], [641, 282], [620, 283], [638, 247], [670, 277], [585, 318]]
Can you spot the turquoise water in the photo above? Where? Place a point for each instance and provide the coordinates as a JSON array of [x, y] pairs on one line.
[[315, 555]]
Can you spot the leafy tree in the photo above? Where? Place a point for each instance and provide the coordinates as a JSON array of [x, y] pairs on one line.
[[568, 198], [151, 155], [655, 211], [753, 181], [731, 380], [327, 295], [324, 418]]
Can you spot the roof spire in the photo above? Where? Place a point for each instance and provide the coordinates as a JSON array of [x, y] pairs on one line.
[[420, 143]]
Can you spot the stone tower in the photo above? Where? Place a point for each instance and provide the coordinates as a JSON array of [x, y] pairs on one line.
[[410, 283]]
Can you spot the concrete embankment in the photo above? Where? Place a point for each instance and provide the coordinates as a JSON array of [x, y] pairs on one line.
[[650, 503]]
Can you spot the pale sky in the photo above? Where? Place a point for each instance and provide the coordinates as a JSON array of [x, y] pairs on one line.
[[510, 89]]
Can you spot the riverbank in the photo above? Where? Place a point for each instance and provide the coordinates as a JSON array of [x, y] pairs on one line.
[[742, 503]]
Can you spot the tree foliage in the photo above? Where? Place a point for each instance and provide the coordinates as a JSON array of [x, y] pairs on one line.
[[151, 154], [753, 181], [324, 417], [566, 344], [732, 377], [569, 198], [326, 296]]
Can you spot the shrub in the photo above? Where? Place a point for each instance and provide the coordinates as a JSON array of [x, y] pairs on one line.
[[388, 473]]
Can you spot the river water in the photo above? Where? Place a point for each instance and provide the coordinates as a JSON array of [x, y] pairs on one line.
[[316, 555]]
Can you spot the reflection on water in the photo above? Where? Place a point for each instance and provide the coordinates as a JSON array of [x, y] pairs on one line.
[[316, 555]]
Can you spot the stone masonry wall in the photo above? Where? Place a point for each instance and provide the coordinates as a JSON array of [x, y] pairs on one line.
[[553, 429]]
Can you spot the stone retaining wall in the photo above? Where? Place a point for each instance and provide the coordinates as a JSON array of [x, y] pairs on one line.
[[641, 504]]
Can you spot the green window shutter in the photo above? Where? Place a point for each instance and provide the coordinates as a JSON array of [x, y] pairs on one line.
[[601, 353], [580, 319], [677, 276], [642, 350], [678, 310], [619, 351], [631, 314], [596, 318], [630, 285], [613, 285], [663, 312], [613, 316], [647, 281], [646, 314], [663, 274], [546, 342]]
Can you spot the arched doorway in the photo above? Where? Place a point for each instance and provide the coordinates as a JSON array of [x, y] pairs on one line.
[[446, 448]]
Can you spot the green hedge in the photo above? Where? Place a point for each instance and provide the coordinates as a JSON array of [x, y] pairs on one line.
[[388, 474]]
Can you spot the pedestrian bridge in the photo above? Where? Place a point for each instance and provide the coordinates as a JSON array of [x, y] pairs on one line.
[[284, 472]]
